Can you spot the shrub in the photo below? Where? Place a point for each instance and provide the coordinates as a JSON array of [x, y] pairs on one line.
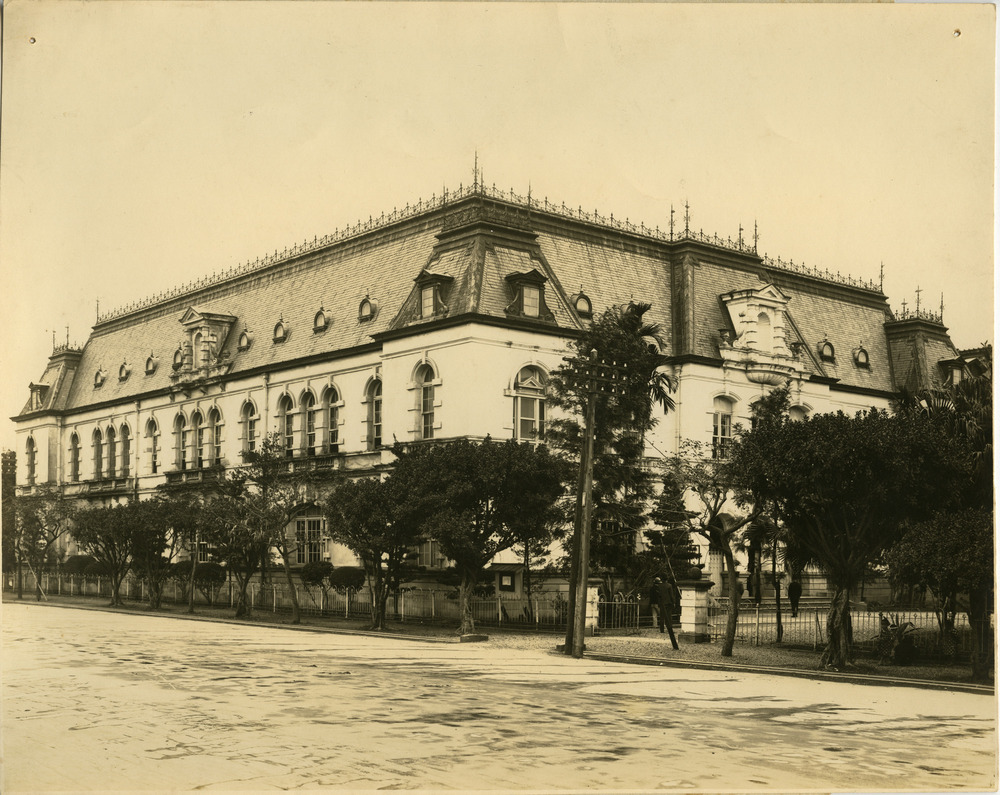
[[347, 577], [95, 568], [77, 564], [316, 573]]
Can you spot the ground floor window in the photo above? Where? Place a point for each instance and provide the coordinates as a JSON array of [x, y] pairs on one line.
[[309, 539]]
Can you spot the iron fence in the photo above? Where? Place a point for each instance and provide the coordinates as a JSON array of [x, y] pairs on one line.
[[759, 626]]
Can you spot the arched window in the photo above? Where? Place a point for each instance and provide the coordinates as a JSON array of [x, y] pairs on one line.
[[308, 408], [331, 402], [765, 339], [181, 432], [722, 427], [98, 454], [320, 321], [425, 383], [249, 416], [286, 416], [198, 426], [153, 433], [280, 332], [112, 452], [826, 351], [529, 404], [215, 426], [797, 413], [74, 458], [126, 439], [374, 398], [29, 457]]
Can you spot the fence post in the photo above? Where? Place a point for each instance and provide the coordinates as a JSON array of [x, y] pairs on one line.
[[347, 603], [433, 594], [756, 640], [274, 598], [402, 606], [499, 611], [537, 619]]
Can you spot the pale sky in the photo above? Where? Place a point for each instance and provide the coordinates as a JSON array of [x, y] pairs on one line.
[[147, 144]]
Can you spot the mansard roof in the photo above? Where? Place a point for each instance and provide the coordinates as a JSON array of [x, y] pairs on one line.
[[475, 240]]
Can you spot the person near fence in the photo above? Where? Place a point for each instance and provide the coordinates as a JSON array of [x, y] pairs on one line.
[[794, 594], [663, 600]]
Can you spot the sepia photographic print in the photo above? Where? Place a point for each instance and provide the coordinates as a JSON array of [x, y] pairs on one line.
[[509, 397]]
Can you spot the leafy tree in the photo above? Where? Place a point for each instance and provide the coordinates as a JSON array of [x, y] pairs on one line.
[[950, 553], [669, 546], [209, 577], [184, 515], [709, 485], [270, 497], [238, 539], [477, 499], [155, 545], [107, 534], [41, 520], [8, 492], [844, 487], [371, 518]]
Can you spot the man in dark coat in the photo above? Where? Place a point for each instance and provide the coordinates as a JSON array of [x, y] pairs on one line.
[[661, 596], [794, 593]]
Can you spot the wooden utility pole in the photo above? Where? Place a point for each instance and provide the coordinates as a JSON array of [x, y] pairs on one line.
[[595, 377]]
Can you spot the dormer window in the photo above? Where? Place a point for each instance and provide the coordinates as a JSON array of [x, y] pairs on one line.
[[280, 332], [529, 296], [367, 309], [826, 351], [320, 322], [99, 378], [582, 304], [432, 292], [124, 371], [861, 357], [151, 364], [178, 358], [245, 341]]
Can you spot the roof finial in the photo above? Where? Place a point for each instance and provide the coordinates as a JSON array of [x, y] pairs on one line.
[[671, 222], [755, 236], [942, 307], [98, 308], [881, 277], [687, 218], [740, 237], [918, 291], [475, 171], [904, 307]]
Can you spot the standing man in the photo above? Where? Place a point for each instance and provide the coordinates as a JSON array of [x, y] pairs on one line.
[[794, 594], [662, 595]]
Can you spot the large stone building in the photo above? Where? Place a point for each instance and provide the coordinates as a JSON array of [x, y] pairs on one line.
[[439, 321]]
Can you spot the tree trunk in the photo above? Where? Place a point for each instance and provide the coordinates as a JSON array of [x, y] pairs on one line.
[[291, 586], [777, 592], [379, 596], [982, 635], [243, 609], [116, 584], [732, 579], [155, 593], [468, 625], [839, 652], [191, 585], [20, 580]]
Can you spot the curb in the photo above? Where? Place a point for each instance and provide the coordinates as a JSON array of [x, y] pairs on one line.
[[858, 679], [265, 624]]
